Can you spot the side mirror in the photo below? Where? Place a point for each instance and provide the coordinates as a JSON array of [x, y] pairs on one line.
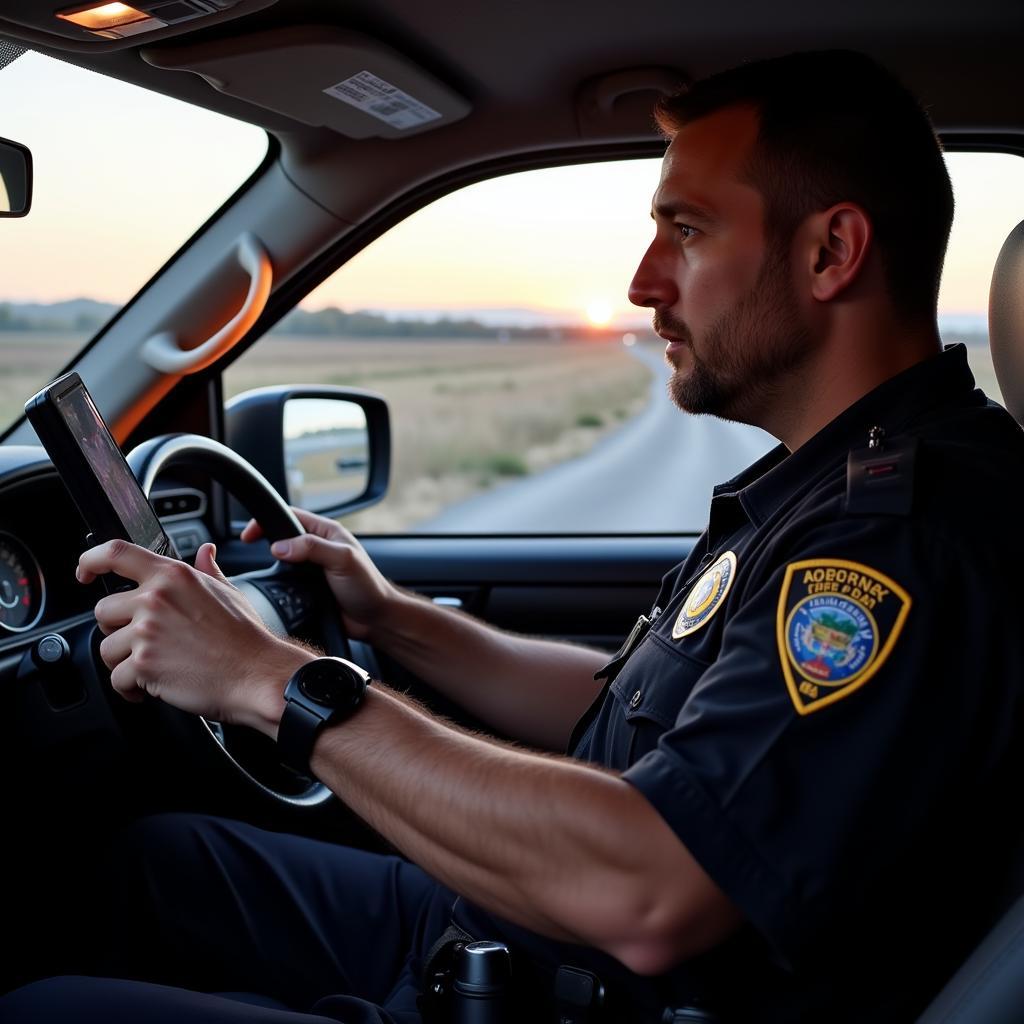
[[324, 449], [15, 179]]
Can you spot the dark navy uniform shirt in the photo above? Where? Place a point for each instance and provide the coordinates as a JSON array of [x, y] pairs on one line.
[[826, 708]]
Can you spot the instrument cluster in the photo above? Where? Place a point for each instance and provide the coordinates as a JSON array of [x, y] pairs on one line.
[[22, 587], [41, 537]]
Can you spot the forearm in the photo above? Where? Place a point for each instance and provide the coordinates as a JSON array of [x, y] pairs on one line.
[[530, 689], [545, 841], [537, 840]]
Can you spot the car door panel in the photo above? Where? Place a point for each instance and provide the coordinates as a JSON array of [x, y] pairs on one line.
[[584, 589]]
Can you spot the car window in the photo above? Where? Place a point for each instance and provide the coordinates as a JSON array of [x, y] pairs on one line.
[[989, 193], [122, 177], [526, 394]]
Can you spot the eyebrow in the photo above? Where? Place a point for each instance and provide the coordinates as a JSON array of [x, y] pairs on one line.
[[669, 210]]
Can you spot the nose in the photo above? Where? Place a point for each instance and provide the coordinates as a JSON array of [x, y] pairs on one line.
[[653, 284]]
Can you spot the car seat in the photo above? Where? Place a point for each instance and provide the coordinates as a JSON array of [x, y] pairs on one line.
[[989, 987]]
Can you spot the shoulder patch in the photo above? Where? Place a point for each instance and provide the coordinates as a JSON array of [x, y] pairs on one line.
[[837, 622], [705, 596]]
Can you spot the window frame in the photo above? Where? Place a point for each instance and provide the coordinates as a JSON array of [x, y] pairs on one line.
[[415, 199]]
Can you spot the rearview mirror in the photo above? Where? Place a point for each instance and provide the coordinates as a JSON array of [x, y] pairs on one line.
[[15, 179]]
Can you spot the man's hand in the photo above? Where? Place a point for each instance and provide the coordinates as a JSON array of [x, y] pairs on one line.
[[531, 689], [189, 637], [363, 594]]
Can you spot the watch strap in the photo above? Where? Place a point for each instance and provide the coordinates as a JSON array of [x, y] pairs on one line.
[[296, 734]]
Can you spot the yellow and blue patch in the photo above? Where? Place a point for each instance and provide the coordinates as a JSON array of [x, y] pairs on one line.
[[837, 623], [706, 596]]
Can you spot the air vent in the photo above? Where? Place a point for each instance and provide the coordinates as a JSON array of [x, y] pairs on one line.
[[182, 503]]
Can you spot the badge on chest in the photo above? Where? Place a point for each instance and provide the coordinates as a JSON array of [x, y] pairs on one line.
[[705, 597]]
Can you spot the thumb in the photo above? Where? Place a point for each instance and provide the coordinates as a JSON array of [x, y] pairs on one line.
[[308, 547], [206, 562]]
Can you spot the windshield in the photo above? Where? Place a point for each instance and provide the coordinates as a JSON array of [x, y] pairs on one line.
[[123, 177]]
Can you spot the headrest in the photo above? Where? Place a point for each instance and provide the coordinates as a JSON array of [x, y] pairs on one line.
[[1006, 321]]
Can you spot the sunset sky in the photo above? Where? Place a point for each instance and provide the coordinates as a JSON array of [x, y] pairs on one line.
[[123, 177]]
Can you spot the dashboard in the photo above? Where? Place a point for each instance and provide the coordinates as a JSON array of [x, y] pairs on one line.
[[41, 538], [22, 589]]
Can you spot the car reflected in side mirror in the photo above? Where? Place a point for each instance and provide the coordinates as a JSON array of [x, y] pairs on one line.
[[15, 179]]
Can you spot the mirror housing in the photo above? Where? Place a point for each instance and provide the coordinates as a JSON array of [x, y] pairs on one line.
[[15, 179], [342, 436]]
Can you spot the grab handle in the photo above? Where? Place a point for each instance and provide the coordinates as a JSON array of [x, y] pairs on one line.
[[162, 350]]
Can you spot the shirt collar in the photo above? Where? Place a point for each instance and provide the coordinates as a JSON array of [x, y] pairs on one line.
[[893, 405]]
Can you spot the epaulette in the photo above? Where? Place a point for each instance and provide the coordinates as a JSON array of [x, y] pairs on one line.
[[880, 477]]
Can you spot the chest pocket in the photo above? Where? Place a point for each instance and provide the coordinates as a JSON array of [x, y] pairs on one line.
[[647, 698]]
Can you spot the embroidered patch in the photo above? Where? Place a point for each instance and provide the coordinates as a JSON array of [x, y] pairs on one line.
[[837, 622], [705, 597]]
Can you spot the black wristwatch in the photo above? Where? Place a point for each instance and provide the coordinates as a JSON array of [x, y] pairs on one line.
[[322, 692]]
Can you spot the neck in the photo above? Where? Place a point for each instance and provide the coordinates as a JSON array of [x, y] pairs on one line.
[[841, 371]]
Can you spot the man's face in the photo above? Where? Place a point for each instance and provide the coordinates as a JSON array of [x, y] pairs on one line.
[[722, 295]]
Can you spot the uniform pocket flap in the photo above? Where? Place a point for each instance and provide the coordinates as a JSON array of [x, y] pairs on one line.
[[660, 683]]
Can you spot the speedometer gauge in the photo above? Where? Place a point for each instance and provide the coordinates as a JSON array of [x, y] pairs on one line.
[[22, 594]]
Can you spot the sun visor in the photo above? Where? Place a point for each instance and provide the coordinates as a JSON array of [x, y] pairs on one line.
[[322, 76]]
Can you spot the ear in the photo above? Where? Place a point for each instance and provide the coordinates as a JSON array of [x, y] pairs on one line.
[[840, 240]]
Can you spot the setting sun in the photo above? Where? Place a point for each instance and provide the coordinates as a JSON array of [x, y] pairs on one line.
[[599, 314]]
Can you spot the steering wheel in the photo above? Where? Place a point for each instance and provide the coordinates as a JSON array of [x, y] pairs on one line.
[[273, 591]]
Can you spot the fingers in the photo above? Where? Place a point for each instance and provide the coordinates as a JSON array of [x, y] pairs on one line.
[[124, 681], [116, 648], [252, 531], [321, 526], [115, 611], [206, 563], [328, 554], [116, 652], [121, 557]]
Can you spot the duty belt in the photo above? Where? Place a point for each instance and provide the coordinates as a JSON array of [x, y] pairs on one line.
[[577, 996]]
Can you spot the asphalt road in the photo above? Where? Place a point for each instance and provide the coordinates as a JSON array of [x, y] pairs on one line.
[[653, 475]]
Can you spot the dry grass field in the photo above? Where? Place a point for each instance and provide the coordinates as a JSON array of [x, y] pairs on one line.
[[466, 415], [28, 360]]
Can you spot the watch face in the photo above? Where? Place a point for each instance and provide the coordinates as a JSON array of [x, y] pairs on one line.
[[330, 683]]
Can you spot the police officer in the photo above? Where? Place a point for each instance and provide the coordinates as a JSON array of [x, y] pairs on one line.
[[787, 798]]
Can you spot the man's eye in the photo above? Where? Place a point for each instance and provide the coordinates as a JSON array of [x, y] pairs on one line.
[[686, 231]]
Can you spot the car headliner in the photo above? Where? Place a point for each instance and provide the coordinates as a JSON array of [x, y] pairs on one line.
[[529, 70], [521, 64]]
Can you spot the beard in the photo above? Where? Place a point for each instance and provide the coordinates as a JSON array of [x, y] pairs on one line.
[[747, 356]]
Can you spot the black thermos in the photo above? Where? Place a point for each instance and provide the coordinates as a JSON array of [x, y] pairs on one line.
[[483, 971]]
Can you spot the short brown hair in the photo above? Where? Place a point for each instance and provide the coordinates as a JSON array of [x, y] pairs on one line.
[[836, 126]]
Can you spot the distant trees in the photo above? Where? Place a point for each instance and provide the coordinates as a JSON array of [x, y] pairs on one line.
[[334, 322], [88, 316], [60, 316], [10, 322]]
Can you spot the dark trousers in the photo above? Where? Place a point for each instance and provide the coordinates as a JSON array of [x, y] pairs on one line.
[[216, 921]]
